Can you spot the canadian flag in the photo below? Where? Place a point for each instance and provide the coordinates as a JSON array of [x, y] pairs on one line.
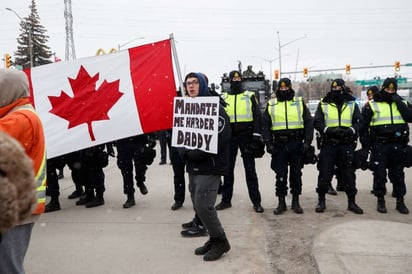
[[95, 100]]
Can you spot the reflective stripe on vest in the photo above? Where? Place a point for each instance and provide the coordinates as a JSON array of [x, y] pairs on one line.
[[331, 113], [287, 114], [239, 106], [385, 114], [40, 175]]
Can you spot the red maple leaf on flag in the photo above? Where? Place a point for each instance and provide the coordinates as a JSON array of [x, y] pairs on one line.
[[88, 104]]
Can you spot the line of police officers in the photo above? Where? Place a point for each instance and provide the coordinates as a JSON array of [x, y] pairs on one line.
[[287, 129]]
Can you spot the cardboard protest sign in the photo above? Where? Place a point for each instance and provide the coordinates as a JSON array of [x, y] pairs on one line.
[[195, 123]]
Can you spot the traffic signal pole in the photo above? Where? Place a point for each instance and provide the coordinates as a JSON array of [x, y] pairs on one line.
[[352, 68]]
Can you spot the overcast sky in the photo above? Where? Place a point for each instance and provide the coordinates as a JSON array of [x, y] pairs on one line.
[[211, 36]]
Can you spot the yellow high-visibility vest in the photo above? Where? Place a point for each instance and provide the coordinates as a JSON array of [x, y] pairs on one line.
[[287, 114], [40, 174], [239, 106], [331, 113], [385, 114]]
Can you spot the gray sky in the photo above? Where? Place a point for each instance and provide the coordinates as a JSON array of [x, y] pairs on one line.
[[211, 36]]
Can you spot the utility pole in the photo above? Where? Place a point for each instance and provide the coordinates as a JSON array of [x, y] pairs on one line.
[[70, 53], [280, 46]]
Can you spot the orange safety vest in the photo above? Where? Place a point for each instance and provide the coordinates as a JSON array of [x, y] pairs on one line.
[[21, 122]]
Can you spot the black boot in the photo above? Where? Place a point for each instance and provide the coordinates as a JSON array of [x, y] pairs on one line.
[[86, 198], [223, 205], [97, 201], [204, 249], [130, 201], [195, 231], [281, 206], [401, 207], [295, 204], [321, 206], [76, 194], [219, 246], [143, 188], [352, 206], [53, 205], [381, 205]]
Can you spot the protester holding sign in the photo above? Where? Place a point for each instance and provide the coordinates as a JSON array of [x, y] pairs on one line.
[[204, 166]]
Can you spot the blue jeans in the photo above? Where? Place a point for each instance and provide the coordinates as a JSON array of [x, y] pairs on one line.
[[13, 248]]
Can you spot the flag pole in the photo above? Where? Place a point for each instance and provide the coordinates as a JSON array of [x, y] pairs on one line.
[[174, 52]]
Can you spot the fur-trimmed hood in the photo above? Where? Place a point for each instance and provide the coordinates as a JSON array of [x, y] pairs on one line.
[[17, 183]]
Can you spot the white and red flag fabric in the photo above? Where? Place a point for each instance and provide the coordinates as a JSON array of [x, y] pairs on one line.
[[95, 100]]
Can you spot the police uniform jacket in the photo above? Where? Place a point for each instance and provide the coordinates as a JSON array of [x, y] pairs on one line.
[[319, 119], [302, 128], [243, 127], [394, 130]]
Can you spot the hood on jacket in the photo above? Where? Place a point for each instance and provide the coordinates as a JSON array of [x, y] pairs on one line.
[[13, 86], [203, 83]]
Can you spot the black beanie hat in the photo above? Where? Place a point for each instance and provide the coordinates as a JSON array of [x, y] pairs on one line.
[[372, 90], [234, 73], [285, 82], [390, 83], [338, 83]]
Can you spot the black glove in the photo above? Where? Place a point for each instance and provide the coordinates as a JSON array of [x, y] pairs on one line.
[[270, 148]]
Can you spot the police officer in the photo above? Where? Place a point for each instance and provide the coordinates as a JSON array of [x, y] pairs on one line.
[[386, 134], [245, 121], [338, 120], [89, 164], [130, 153], [287, 129]]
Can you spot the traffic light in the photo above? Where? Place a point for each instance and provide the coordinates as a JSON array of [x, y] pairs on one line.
[[347, 69], [276, 74], [305, 72], [397, 66], [7, 61]]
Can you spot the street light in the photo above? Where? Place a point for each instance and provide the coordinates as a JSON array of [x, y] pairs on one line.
[[270, 64], [280, 50], [28, 33], [122, 45]]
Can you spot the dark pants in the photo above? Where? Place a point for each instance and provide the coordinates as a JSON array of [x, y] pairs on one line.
[[250, 172], [288, 155], [178, 176], [129, 153], [13, 248], [53, 189], [386, 160], [341, 156], [203, 191], [165, 142], [86, 173]]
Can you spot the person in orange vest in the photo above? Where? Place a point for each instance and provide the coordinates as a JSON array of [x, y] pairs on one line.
[[20, 121]]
